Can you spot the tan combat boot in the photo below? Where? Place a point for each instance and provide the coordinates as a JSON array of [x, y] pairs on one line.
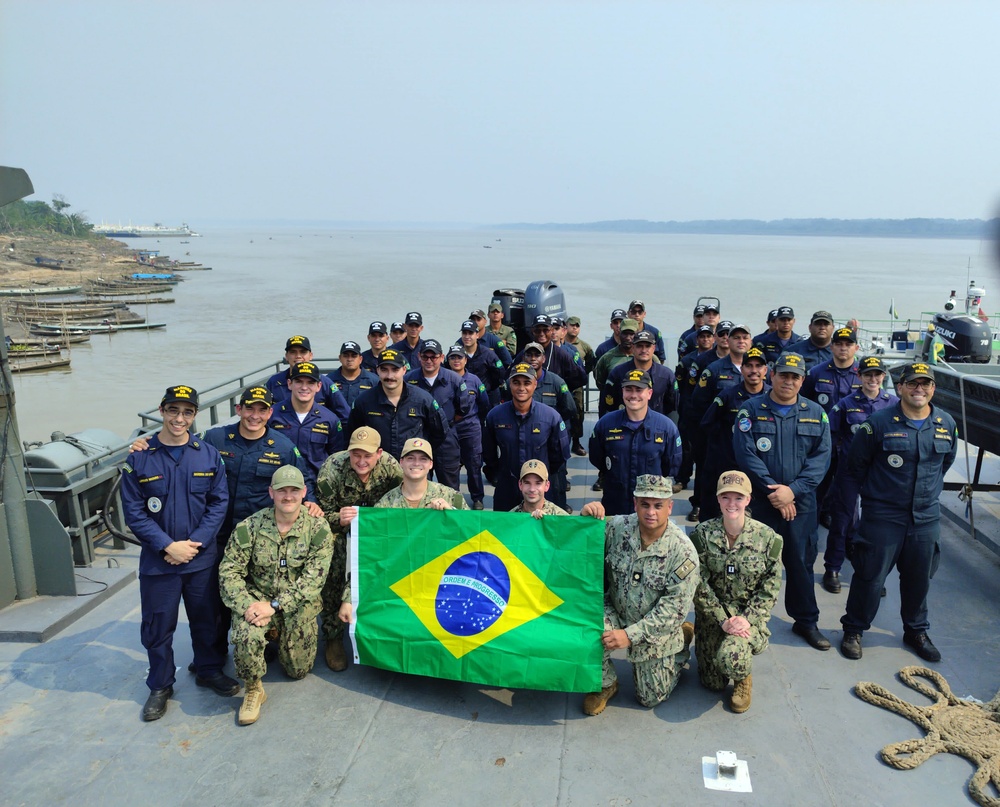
[[336, 658], [740, 701], [595, 702], [253, 698], [688, 629]]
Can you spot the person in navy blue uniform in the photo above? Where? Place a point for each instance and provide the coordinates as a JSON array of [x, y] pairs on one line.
[[782, 442], [174, 499], [781, 338], [313, 428], [351, 378], [845, 418], [815, 348], [517, 431], [633, 441], [684, 346], [470, 428], [687, 370], [298, 349], [397, 333], [772, 326], [717, 425], [664, 383], [378, 339], [617, 317], [397, 410], [698, 401], [489, 339], [826, 383], [482, 361], [453, 400], [710, 316], [551, 390], [899, 456], [412, 344], [637, 311], [558, 360]]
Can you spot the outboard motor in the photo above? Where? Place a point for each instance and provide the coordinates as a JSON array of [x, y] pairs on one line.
[[543, 297], [966, 339]]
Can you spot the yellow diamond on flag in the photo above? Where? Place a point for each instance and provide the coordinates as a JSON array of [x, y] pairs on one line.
[[473, 593]]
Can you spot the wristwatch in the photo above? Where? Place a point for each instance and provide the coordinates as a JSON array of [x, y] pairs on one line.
[[276, 605]]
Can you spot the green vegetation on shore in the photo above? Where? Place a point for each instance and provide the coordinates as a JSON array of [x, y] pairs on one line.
[[868, 228], [40, 217]]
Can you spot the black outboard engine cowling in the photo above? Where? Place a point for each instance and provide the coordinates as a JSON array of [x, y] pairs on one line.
[[543, 297], [965, 338]]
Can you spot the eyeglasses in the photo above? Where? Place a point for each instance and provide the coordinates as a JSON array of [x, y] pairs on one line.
[[919, 383], [174, 412]]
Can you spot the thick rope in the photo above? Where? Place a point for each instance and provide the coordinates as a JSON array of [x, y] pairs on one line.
[[953, 725]]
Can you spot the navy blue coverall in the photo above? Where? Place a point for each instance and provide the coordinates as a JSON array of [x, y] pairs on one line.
[[625, 449], [900, 466], [775, 446], [416, 415], [177, 493]]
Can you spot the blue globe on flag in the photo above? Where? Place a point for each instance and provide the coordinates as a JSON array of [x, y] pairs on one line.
[[473, 594]]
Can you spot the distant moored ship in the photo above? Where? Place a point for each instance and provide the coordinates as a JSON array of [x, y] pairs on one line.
[[145, 231]]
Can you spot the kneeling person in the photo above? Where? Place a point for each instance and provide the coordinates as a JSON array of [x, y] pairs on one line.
[[650, 575], [271, 577], [740, 570], [533, 484]]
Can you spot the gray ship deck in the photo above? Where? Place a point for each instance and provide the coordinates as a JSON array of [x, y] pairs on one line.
[[70, 730]]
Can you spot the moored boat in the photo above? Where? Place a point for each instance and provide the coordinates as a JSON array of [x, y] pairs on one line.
[[31, 291]]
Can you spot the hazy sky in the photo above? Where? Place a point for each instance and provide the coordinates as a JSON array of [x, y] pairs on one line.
[[491, 112]]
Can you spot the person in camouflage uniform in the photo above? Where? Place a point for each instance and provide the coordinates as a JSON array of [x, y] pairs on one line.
[[416, 459], [357, 477], [502, 332], [270, 577], [416, 491], [650, 575], [533, 483], [740, 562]]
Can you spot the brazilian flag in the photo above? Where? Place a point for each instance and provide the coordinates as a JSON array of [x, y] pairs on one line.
[[500, 599]]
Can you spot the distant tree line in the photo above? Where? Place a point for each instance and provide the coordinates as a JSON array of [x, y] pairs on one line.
[[40, 217], [885, 228]]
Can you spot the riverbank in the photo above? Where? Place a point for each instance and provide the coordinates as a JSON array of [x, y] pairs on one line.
[[82, 259]]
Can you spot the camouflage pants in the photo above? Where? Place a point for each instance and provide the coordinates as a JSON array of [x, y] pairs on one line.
[[298, 638], [333, 590], [721, 656], [654, 679]]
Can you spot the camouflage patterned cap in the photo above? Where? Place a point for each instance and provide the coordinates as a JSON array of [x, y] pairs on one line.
[[416, 444], [733, 482], [650, 486], [572, 320], [536, 467], [790, 363], [258, 394], [630, 325], [288, 476], [366, 439], [495, 307], [871, 364]]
